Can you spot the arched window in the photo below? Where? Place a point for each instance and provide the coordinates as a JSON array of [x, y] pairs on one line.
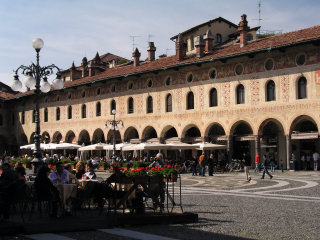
[[149, 105], [98, 109], [70, 112], [1, 120], [45, 117], [190, 101], [169, 103], [302, 88], [240, 94], [23, 117], [271, 91], [213, 101], [218, 38], [113, 105], [130, 105], [84, 111], [58, 114], [33, 116]]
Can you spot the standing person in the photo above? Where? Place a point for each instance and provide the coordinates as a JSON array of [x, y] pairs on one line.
[[246, 161], [315, 160], [257, 162], [308, 161], [265, 167], [272, 163], [202, 162], [281, 165], [210, 164], [194, 165]]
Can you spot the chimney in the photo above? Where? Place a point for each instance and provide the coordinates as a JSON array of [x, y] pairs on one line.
[[208, 38], [136, 57], [180, 52], [199, 47], [243, 29], [151, 52], [84, 66], [91, 67]]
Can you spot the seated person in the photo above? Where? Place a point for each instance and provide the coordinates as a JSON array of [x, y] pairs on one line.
[[80, 169], [90, 173], [60, 175], [45, 190], [72, 177]]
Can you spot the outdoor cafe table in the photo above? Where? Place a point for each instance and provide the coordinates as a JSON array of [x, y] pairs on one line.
[[83, 182], [66, 192]]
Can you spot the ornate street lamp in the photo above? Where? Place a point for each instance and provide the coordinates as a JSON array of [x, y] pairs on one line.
[[34, 74], [114, 126]]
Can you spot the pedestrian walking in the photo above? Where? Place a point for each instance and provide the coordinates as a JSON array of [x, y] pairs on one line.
[[202, 163], [257, 162], [265, 167], [246, 161], [315, 160], [210, 164]]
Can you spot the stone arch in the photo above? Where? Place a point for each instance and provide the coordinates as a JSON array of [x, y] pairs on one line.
[[111, 134], [303, 123], [215, 132], [98, 136], [45, 137], [70, 137], [169, 132], [57, 137], [84, 138], [243, 139], [148, 133], [191, 133], [131, 134], [272, 141]]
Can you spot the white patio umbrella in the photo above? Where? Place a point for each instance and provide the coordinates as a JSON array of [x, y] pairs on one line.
[[146, 146], [67, 146], [209, 146], [180, 146], [97, 146], [28, 146]]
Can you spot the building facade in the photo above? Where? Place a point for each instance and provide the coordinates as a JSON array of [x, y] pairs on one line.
[[255, 95]]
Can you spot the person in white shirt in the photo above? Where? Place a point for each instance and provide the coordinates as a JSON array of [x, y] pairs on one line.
[[315, 160], [60, 175]]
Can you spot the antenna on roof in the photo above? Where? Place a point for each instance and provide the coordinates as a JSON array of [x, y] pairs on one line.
[[133, 44], [259, 11]]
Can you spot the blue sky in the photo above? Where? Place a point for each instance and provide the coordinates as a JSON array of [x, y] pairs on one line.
[[72, 29]]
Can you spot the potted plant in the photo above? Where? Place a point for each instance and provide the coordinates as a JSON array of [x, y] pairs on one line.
[[103, 165]]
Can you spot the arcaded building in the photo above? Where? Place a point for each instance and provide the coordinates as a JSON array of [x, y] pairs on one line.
[[225, 85]]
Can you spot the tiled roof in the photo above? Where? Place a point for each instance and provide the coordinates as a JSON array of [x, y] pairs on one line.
[[206, 23], [227, 51], [5, 95]]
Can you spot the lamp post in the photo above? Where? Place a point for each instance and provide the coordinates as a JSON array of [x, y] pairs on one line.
[[35, 73], [114, 126]]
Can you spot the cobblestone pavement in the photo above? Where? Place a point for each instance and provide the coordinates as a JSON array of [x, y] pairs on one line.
[[285, 207]]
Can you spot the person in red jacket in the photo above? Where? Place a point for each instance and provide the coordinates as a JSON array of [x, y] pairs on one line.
[[257, 162]]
